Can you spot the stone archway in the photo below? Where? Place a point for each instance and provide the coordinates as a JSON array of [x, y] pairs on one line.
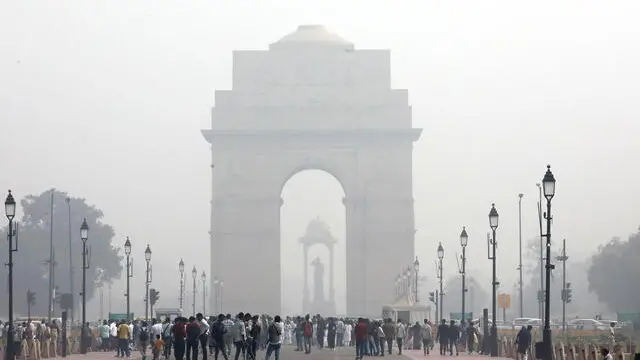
[[289, 111]]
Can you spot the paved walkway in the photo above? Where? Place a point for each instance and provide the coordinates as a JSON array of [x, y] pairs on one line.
[[288, 353], [419, 355]]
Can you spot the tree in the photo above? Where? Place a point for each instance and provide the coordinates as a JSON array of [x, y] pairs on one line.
[[31, 300], [613, 274], [154, 296], [476, 298], [583, 303], [31, 260]]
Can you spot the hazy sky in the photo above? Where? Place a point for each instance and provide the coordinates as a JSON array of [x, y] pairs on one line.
[[106, 99]]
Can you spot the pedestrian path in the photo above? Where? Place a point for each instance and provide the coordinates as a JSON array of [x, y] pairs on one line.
[[419, 355]]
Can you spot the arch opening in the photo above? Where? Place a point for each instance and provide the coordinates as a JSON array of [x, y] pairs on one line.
[[312, 216]]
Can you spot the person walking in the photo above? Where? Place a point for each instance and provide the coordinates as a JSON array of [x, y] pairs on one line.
[[472, 337], [179, 337], [443, 336], [193, 338], [523, 342], [167, 328], [143, 339], [204, 334], [307, 334], [239, 335], [218, 331], [454, 337], [389, 330], [401, 333], [274, 333], [427, 337], [361, 338]]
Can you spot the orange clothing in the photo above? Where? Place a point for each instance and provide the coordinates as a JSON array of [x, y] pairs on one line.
[[159, 344]]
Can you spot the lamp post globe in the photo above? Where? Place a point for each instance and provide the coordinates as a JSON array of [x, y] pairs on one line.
[[194, 273], [84, 230], [181, 266], [416, 265], [549, 184], [440, 252], [493, 217], [10, 206], [147, 253], [464, 238], [127, 247]]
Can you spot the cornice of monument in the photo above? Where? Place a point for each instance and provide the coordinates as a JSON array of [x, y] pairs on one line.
[[412, 134]]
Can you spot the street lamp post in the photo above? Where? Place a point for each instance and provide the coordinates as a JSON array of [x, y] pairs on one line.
[[221, 287], [549, 190], [71, 290], [127, 252], [440, 277], [10, 211], [520, 268], [181, 268], [408, 272], [147, 258], [204, 293], [84, 236], [216, 291], [194, 274], [464, 239], [493, 223], [416, 268]]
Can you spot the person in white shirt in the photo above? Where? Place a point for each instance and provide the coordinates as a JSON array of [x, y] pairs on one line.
[[427, 336], [113, 333], [204, 334], [401, 333], [348, 328], [156, 329]]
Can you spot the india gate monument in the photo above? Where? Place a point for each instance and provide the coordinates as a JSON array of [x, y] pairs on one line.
[[311, 101]]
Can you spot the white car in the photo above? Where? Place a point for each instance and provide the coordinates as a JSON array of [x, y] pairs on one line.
[[587, 324]]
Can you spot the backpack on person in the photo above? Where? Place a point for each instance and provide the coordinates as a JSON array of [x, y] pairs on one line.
[[144, 334], [274, 333], [308, 329]]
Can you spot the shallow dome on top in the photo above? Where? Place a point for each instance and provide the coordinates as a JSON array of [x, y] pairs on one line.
[[318, 232], [316, 35]]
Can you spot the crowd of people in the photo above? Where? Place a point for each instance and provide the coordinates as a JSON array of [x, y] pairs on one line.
[[47, 334], [244, 335]]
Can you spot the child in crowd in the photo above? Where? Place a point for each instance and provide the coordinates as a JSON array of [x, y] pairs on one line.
[[158, 345]]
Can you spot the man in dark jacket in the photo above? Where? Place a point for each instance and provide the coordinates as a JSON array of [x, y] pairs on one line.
[[361, 338], [442, 337], [193, 335], [217, 334], [523, 341], [454, 336]]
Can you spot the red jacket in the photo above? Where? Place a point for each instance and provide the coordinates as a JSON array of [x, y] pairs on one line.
[[361, 331], [179, 331]]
